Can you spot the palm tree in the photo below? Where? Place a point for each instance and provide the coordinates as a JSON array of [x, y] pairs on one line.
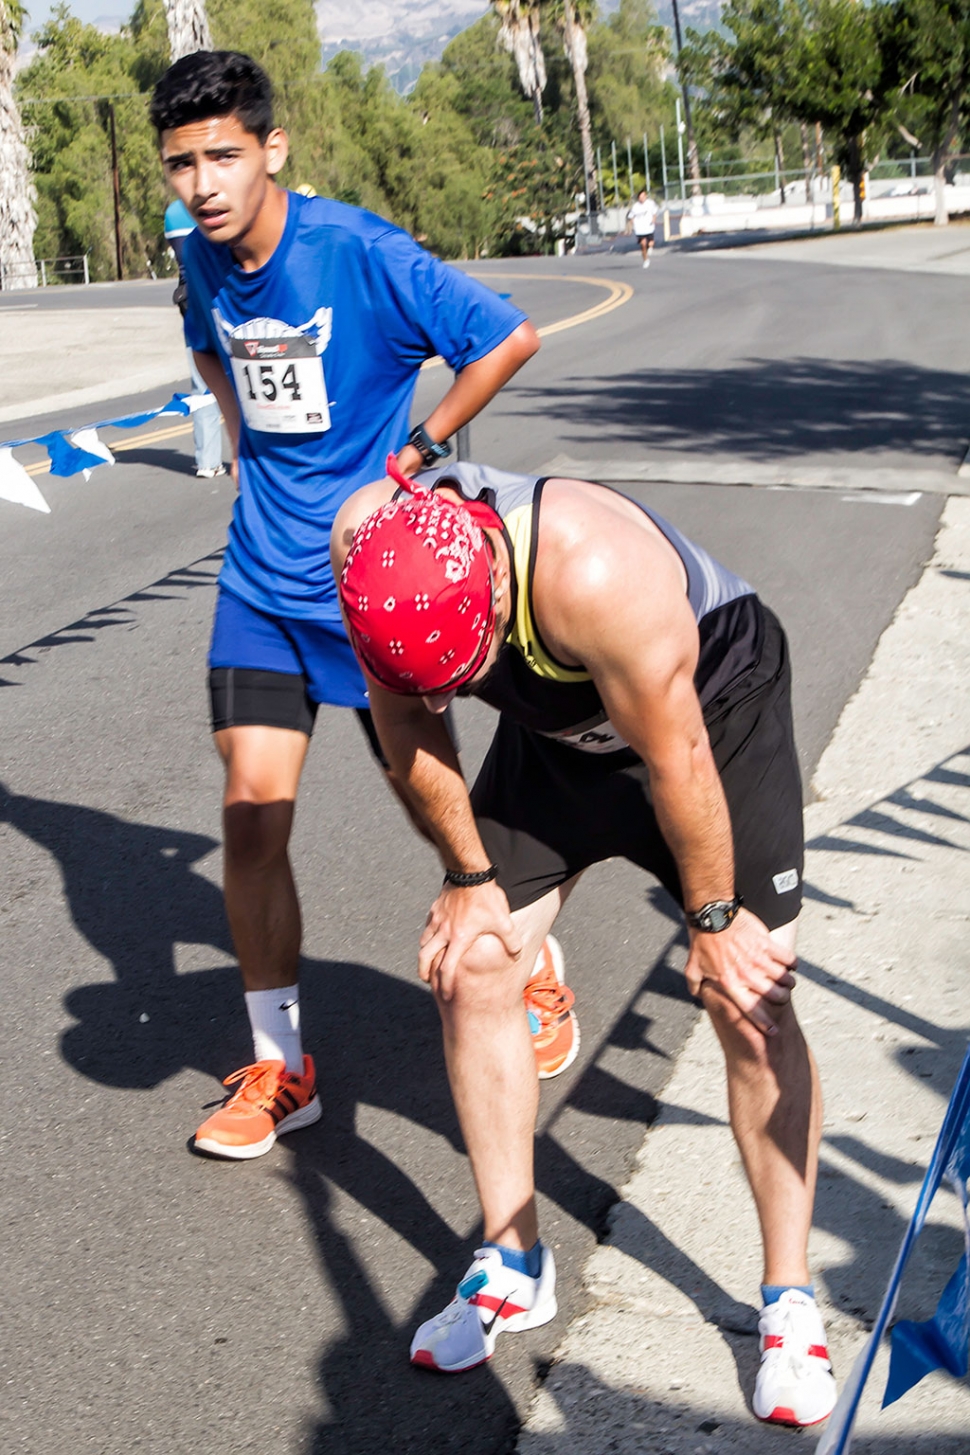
[[188, 27], [18, 219], [573, 19], [519, 35]]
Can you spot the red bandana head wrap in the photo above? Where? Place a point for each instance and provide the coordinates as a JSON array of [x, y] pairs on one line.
[[416, 590]]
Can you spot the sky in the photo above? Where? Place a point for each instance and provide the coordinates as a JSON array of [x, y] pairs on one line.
[[353, 19]]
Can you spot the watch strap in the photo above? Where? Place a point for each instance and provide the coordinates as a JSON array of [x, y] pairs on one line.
[[429, 450]]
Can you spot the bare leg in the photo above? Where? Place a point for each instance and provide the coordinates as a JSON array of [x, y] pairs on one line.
[[492, 1071], [776, 1115], [262, 775]]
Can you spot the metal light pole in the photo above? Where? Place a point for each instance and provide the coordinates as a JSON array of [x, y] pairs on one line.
[[695, 169], [629, 166], [599, 178], [616, 178], [680, 150], [663, 161], [646, 162]]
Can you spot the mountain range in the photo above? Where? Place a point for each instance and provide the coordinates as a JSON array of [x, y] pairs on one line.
[[401, 35]]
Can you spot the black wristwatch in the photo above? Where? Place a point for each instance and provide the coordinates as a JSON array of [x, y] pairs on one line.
[[429, 450], [714, 917]]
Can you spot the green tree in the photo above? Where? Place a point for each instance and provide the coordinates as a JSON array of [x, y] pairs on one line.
[[840, 78], [71, 149], [926, 46], [750, 71], [629, 54]]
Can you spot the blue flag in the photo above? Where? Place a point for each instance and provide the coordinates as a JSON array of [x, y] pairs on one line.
[[942, 1342]]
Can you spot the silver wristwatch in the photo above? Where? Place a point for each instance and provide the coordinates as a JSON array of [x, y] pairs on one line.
[[714, 917]]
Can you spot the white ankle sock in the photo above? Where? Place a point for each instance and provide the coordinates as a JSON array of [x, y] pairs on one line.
[[275, 1018]]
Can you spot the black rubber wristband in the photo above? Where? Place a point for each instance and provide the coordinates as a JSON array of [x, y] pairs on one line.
[[471, 881]]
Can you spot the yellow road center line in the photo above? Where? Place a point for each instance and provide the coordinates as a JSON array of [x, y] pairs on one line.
[[617, 295]]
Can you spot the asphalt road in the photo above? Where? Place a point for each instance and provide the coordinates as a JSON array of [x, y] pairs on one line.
[[160, 1302]]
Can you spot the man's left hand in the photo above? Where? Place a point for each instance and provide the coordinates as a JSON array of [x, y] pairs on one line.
[[743, 961]]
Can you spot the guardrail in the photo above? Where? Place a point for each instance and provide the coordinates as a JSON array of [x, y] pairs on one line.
[[42, 272]]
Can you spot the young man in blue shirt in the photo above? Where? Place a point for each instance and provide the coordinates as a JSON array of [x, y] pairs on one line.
[[309, 321]]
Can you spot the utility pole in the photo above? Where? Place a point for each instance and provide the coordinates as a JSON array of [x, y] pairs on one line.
[[646, 162], [692, 158], [680, 148], [117, 193], [599, 177], [629, 166], [616, 178], [663, 160]]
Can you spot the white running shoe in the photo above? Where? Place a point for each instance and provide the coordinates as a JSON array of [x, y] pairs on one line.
[[646, 262], [795, 1384], [491, 1300]]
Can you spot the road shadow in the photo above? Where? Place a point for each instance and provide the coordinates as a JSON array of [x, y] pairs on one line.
[[135, 892], [766, 409], [118, 614]]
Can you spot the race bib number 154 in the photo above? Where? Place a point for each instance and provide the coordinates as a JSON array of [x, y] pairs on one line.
[[280, 385]]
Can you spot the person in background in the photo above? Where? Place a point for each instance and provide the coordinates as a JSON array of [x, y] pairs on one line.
[[207, 421], [643, 216]]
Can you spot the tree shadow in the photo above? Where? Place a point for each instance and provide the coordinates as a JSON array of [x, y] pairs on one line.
[[767, 409]]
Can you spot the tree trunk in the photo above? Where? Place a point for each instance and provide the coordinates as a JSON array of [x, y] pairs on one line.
[[18, 220], [806, 158], [575, 41], [856, 170], [188, 27], [941, 155]]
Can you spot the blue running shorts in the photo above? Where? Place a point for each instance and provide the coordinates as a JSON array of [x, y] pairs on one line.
[[319, 653]]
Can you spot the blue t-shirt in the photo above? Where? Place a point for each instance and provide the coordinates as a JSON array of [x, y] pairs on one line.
[[323, 344]]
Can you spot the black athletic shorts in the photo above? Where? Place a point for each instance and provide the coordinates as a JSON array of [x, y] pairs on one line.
[[546, 811], [247, 697]]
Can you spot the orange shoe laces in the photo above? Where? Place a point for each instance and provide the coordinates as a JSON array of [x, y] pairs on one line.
[[550, 1002], [258, 1084]]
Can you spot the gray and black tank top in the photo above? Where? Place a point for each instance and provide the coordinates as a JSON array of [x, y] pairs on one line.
[[530, 686]]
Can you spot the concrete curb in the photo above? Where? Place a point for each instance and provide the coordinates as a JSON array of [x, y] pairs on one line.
[[686, 469], [664, 1361], [162, 377]]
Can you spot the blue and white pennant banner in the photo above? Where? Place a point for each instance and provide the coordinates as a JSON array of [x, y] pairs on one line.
[[78, 451], [942, 1342]]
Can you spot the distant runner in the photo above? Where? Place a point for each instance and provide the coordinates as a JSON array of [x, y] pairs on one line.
[[643, 215], [309, 321], [644, 700]]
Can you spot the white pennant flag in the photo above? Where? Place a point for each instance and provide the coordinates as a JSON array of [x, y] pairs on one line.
[[17, 486], [87, 440]]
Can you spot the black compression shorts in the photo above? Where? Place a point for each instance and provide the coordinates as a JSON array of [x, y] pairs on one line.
[[546, 811], [247, 697]]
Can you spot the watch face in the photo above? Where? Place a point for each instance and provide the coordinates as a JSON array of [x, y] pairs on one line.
[[717, 919]]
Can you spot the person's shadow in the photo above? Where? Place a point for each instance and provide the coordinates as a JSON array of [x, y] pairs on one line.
[[135, 893]]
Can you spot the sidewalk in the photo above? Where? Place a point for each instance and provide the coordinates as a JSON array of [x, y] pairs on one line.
[[664, 1361], [68, 358]]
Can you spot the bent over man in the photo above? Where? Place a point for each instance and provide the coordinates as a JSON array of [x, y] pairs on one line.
[[309, 321], [644, 700]]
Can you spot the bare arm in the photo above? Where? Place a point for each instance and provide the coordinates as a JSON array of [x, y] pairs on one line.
[[215, 376], [423, 759], [641, 648], [473, 388]]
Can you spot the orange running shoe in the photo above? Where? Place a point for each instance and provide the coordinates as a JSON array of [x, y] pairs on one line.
[[268, 1101], [552, 1020]]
